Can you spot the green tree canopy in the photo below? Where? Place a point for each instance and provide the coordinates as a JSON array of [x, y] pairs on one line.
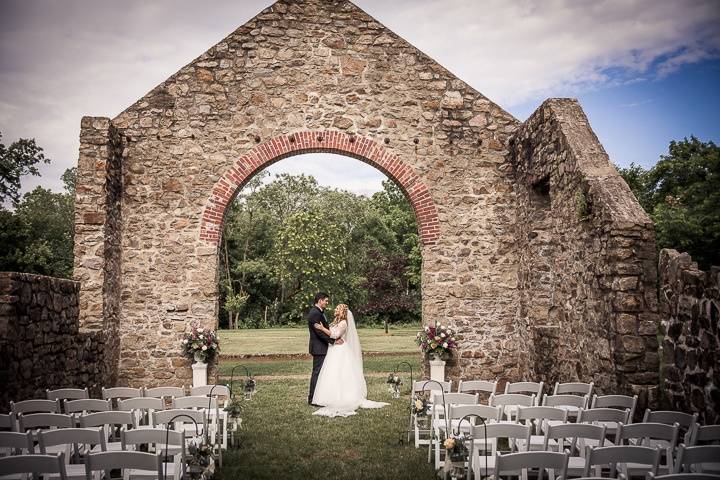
[[681, 193], [17, 160]]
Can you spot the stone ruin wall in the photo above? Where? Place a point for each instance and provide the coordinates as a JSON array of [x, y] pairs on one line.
[[316, 66], [588, 308], [690, 312], [41, 346]]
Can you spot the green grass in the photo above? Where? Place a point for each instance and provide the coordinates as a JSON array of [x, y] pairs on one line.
[[280, 438], [295, 340]]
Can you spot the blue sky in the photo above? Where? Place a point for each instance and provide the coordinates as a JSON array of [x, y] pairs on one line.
[[645, 71]]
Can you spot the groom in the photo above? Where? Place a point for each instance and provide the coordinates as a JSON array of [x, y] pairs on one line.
[[318, 340]]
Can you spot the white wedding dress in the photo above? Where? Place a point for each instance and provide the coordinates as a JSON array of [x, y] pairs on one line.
[[341, 387]]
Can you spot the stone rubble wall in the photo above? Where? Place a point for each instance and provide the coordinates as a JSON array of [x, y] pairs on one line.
[[690, 309], [41, 346], [588, 304], [97, 252], [299, 67]]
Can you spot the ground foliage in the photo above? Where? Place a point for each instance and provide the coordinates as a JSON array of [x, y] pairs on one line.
[[287, 238], [681, 193]]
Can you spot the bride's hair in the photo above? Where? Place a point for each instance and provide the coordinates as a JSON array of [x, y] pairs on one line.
[[340, 313]]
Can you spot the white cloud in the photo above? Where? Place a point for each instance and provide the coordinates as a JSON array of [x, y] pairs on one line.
[[62, 60]]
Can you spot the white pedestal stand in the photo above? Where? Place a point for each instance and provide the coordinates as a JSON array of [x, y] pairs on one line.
[[199, 374], [437, 370]]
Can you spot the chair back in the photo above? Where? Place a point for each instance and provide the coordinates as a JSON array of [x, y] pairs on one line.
[[165, 392], [691, 459], [575, 388], [153, 436], [161, 418], [89, 405], [465, 386], [8, 421], [565, 400], [527, 415], [643, 432], [574, 435], [71, 436], [121, 393], [112, 418], [45, 420], [594, 415], [622, 454], [708, 434], [427, 386], [486, 412], [194, 402], [686, 421], [67, 394], [141, 403], [35, 464], [217, 390], [531, 388], [17, 443], [510, 431], [512, 462], [513, 399], [35, 406], [616, 401], [123, 460], [456, 398]]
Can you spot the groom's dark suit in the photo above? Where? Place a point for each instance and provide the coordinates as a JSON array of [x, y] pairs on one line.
[[318, 345]]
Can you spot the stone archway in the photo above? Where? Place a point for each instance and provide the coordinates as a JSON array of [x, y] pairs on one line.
[[363, 149]]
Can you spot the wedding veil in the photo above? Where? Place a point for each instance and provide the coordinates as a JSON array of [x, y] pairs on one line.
[[353, 342]]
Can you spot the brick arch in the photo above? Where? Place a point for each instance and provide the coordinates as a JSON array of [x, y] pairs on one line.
[[278, 148]]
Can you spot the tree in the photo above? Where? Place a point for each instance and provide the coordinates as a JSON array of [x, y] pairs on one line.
[[681, 193], [16, 161]]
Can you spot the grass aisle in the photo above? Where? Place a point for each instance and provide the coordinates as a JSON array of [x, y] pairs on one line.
[[282, 439]]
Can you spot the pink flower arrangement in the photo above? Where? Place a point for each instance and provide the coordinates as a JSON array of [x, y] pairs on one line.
[[200, 343], [436, 340]]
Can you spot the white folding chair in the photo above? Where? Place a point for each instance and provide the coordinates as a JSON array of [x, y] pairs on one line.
[[510, 463], [573, 438], [538, 419], [16, 443], [35, 406], [222, 394], [19, 466], [509, 402], [698, 459], [441, 405], [166, 393], [572, 403], [77, 443], [609, 417], [687, 421], [155, 439], [419, 387], [207, 405], [138, 462], [484, 388], [618, 456], [111, 422], [652, 435], [527, 388], [8, 422], [142, 408], [483, 435], [44, 421]]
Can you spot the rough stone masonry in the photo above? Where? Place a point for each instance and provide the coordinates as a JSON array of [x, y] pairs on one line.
[[533, 247]]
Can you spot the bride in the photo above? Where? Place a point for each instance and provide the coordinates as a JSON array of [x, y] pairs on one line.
[[341, 387]]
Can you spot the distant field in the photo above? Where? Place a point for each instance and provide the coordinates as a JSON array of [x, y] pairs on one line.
[[295, 341]]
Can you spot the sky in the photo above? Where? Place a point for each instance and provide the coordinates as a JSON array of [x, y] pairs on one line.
[[645, 71]]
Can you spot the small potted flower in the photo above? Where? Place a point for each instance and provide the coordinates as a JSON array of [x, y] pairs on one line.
[[200, 343], [249, 388], [394, 381], [456, 454], [234, 408]]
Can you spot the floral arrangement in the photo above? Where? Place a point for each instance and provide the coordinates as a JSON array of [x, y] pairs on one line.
[[394, 379], [200, 343], [456, 449], [249, 385], [420, 407], [234, 407], [436, 340]]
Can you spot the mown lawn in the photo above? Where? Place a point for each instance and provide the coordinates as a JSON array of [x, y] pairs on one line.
[[281, 438], [295, 340]]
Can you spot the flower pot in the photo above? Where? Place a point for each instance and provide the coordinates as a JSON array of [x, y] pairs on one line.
[[199, 357]]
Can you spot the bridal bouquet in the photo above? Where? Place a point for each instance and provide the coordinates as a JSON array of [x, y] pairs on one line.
[[436, 341], [200, 343]]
